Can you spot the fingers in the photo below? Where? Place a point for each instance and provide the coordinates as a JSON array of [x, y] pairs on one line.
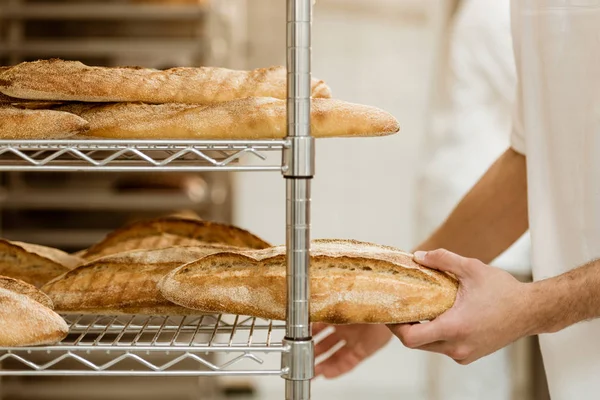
[[417, 335], [326, 344], [460, 354], [442, 260], [318, 327], [341, 362]]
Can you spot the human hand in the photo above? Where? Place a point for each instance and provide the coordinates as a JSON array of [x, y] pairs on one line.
[[491, 310], [360, 342]]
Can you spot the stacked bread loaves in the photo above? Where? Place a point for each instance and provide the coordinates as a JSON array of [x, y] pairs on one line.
[[180, 266], [186, 266], [49, 99]]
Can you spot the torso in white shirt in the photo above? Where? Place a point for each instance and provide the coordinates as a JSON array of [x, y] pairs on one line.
[[557, 125]]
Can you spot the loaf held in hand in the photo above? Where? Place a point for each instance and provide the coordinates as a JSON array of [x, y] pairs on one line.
[[124, 283], [22, 124], [351, 282], [74, 81], [169, 232], [252, 118], [25, 322]]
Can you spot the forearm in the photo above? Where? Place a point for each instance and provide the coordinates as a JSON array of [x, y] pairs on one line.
[[491, 217], [567, 299]]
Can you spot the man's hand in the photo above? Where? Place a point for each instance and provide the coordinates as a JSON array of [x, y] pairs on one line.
[[491, 310], [360, 342]]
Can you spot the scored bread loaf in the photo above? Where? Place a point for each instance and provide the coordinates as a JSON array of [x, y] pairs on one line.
[[20, 124], [25, 322], [35, 265], [74, 81], [25, 288], [350, 282], [58, 256], [169, 232], [124, 283], [251, 118]]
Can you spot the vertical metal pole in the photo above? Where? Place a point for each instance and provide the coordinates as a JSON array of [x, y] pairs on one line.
[[299, 156]]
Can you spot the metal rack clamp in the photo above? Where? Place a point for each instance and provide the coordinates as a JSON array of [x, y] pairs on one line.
[[299, 165]]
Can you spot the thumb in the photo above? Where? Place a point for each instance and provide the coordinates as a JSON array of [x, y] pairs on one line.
[[442, 260]]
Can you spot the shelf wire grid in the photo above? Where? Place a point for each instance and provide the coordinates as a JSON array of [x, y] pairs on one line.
[[137, 155], [152, 345]]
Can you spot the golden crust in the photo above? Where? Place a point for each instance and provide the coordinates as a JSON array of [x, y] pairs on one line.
[[124, 283], [169, 232], [26, 289], [74, 81], [25, 322], [35, 269], [249, 118], [351, 282]]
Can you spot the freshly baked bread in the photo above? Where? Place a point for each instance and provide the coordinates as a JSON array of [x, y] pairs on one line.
[[124, 283], [74, 81], [24, 103], [22, 124], [21, 287], [251, 118], [25, 322], [58, 256], [28, 266], [169, 232], [350, 282]]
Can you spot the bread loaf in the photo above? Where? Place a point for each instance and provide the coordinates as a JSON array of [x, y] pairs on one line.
[[22, 124], [252, 118], [124, 283], [169, 232], [350, 282], [55, 255], [21, 287], [29, 266], [25, 322], [74, 81]]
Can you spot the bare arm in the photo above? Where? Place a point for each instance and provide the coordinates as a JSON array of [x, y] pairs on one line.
[[491, 217], [487, 221], [566, 299]]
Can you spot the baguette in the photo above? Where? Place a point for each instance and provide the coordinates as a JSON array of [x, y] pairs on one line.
[[29, 266], [26, 289], [25, 322], [251, 118], [170, 232], [351, 282], [74, 81], [55, 255], [124, 283], [22, 124]]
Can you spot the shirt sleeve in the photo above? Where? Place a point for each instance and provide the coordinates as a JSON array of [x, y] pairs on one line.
[[517, 135]]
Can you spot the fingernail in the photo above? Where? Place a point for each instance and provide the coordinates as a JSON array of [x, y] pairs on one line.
[[420, 255]]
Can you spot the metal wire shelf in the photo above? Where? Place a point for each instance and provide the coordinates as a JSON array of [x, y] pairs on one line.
[[152, 345], [137, 155]]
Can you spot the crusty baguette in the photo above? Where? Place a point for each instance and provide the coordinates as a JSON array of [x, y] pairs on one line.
[[28, 266], [124, 283], [58, 256], [74, 81], [17, 123], [24, 103], [251, 118], [25, 322], [169, 232], [351, 282], [25, 288]]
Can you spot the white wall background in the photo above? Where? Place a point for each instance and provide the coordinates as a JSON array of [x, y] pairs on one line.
[[363, 187]]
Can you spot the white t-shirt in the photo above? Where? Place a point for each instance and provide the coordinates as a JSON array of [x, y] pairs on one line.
[[557, 125]]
